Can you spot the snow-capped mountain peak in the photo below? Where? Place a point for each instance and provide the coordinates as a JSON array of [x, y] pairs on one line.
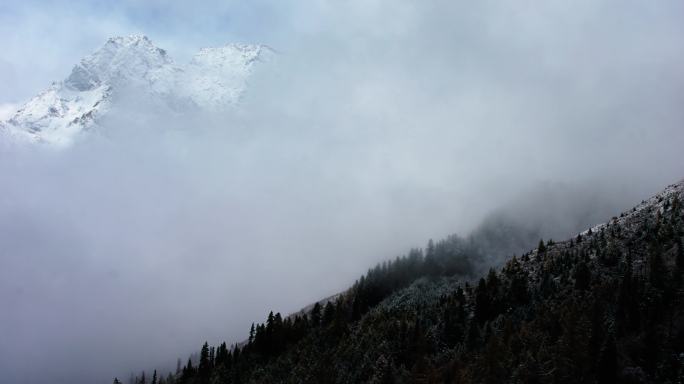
[[129, 58], [214, 79], [217, 77]]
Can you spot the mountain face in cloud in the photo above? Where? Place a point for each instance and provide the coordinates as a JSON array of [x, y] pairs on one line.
[[215, 79]]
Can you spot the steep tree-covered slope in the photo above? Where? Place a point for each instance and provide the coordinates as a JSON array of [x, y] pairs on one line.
[[605, 306]]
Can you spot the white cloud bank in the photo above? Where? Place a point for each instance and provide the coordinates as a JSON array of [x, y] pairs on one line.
[[384, 124]]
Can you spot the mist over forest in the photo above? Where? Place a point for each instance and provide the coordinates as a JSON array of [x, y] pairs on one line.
[[378, 126]]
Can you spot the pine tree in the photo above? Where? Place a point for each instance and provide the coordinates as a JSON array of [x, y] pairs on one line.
[[430, 250], [431, 265], [204, 368], [316, 315], [204, 356], [251, 335], [482, 302], [328, 314], [610, 256], [189, 370], [541, 248]]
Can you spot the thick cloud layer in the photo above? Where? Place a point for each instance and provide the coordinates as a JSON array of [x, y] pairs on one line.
[[381, 124]]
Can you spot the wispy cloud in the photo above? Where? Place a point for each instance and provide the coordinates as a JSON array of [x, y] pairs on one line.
[[383, 123], [7, 110]]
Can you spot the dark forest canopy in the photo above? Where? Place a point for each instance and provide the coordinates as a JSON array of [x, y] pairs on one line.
[[605, 306]]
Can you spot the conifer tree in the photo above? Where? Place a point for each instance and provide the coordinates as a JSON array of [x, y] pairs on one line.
[[316, 315], [541, 248], [204, 368], [251, 335], [328, 313], [482, 302], [189, 370], [431, 266]]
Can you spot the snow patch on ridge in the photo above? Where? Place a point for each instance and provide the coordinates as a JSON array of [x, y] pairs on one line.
[[215, 79]]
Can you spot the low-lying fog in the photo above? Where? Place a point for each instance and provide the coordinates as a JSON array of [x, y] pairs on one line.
[[377, 128]]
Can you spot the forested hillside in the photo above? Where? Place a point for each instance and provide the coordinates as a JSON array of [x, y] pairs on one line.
[[605, 306]]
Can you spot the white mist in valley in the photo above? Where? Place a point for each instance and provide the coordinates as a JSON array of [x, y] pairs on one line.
[[161, 229]]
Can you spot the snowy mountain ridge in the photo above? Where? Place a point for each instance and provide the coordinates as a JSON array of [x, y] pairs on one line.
[[215, 79]]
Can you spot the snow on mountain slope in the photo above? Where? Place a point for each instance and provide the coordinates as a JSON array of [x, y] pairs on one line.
[[215, 79], [628, 225], [57, 114], [132, 59], [217, 76]]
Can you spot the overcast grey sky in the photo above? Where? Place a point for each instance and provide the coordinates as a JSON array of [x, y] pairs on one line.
[[382, 124]]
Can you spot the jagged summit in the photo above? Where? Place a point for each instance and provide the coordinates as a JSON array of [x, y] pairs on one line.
[[214, 79], [131, 58]]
